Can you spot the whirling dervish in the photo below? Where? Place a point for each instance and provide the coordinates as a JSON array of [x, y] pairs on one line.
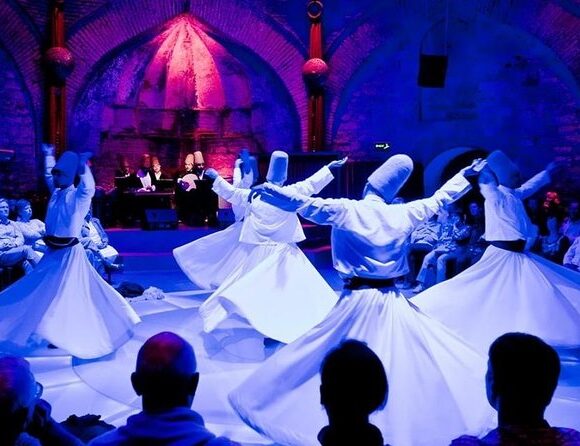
[[265, 278], [208, 261], [508, 289], [436, 380], [64, 300]]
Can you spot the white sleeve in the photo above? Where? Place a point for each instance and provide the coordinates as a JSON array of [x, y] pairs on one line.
[[234, 195], [313, 184], [237, 176], [325, 211], [419, 211], [569, 256], [85, 191], [533, 184]]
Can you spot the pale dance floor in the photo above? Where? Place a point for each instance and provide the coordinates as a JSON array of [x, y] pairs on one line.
[[225, 358]]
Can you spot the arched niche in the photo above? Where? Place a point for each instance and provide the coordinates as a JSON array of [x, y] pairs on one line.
[[181, 88]]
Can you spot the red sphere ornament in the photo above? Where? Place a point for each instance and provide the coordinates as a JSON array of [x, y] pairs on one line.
[[315, 71], [60, 62]]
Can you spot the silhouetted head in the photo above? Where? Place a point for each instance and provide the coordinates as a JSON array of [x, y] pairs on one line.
[[522, 373], [18, 395], [165, 374], [354, 381]]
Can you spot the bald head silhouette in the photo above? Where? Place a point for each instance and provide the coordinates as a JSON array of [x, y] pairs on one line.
[[17, 397], [165, 374]]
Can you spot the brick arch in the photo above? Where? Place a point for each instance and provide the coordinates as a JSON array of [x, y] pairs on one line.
[[112, 29], [545, 21]]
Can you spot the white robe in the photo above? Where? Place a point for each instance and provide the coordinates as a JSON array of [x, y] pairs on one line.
[[64, 300], [242, 181], [263, 277], [508, 291], [436, 382]]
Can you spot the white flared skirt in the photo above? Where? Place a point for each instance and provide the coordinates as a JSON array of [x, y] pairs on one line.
[[276, 289], [208, 261], [436, 381], [506, 292], [65, 301]]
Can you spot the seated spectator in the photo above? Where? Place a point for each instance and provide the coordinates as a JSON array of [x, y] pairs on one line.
[[572, 256], [32, 229], [476, 244], [521, 378], [571, 226], [96, 243], [452, 246], [166, 379], [354, 385], [422, 241], [24, 418], [554, 244], [13, 251]]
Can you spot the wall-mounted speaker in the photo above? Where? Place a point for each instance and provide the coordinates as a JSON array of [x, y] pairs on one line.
[[432, 70]]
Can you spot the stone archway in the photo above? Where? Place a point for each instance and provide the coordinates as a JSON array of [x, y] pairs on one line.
[[444, 165], [130, 19]]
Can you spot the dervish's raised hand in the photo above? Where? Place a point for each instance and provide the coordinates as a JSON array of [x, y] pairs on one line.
[[47, 149], [83, 159], [474, 168], [555, 167], [337, 164], [212, 173]]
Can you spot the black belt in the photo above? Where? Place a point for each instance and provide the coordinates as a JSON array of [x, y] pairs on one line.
[[356, 283], [509, 245], [55, 242]]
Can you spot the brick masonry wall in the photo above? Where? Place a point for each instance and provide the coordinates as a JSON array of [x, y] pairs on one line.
[[512, 80]]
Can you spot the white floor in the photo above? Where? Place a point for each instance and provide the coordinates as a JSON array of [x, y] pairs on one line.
[[225, 358]]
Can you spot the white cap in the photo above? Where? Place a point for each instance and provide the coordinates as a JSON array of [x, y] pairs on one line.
[[391, 175], [278, 168]]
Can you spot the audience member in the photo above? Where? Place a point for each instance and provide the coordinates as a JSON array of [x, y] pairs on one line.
[[24, 418], [32, 229], [354, 385], [521, 378], [554, 244], [96, 243], [572, 256], [571, 226], [476, 244], [451, 246], [166, 379], [423, 239], [13, 251]]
